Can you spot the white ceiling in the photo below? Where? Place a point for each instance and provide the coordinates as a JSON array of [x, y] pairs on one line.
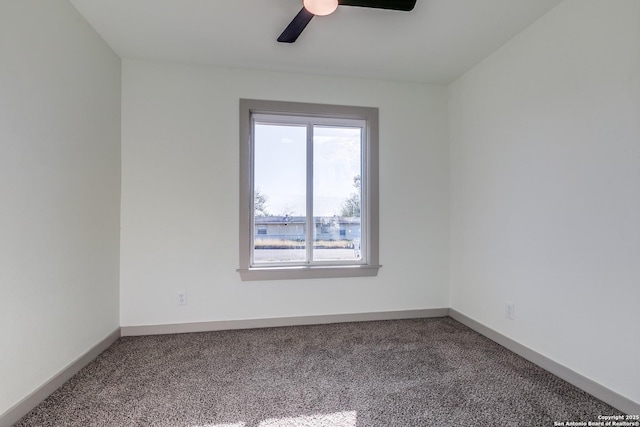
[[435, 43]]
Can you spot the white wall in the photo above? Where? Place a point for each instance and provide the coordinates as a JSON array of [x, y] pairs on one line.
[[59, 192], [180, 196], [545, 149]]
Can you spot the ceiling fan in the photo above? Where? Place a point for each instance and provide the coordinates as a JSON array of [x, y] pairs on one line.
[[326, 7]]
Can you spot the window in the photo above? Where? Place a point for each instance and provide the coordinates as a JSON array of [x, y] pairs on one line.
[[308, 190]]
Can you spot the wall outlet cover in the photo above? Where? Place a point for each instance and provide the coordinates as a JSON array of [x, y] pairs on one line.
[[510, 310]]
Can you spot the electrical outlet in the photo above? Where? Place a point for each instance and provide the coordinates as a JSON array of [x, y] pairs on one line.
[[182, 298], [510, 310]]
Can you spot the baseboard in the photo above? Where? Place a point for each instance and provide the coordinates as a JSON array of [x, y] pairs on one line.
[[22, 408], [179, 328], [595, 389]]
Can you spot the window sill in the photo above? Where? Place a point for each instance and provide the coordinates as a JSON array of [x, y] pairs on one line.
[[308, 272]]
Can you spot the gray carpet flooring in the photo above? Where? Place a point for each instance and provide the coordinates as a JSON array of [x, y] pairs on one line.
[[423, 372]]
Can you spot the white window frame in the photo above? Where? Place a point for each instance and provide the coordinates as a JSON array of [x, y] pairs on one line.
[[325, 114]]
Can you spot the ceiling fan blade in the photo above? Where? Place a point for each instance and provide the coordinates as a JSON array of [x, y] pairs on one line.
[[405, 5], [295, 27]]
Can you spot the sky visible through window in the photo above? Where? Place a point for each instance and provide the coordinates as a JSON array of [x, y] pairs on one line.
[[280, 167]]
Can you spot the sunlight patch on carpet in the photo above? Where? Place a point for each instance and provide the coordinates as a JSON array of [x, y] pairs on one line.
[[337, 419], [223, 425]]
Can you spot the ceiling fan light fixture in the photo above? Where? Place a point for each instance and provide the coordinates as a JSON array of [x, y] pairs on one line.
[[312, 8], [320, 7]]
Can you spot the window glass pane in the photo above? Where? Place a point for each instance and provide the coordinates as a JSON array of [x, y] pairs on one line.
[[279, 193], [337, 171]]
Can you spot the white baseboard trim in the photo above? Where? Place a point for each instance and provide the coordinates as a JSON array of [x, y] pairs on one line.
[[221, 325], [595, 389], [22, 408]]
